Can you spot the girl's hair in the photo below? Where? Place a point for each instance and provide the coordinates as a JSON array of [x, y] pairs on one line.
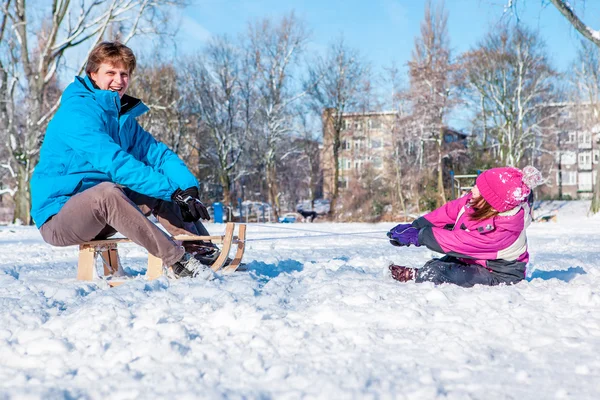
[[482, 209], [112, 53]]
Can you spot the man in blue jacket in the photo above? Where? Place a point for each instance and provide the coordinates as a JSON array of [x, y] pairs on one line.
[[100, 172]]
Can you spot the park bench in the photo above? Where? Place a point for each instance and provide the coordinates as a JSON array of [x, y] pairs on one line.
[[113, 270]]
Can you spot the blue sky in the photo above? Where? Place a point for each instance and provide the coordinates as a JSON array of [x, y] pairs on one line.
[[384, 30]]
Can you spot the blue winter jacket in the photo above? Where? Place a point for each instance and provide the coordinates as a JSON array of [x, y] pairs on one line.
[[94, 138]]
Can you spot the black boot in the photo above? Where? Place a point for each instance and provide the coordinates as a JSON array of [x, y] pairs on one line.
[[205, 252], [189, 266]]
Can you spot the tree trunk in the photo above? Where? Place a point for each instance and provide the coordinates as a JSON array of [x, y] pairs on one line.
[[22, 196], [272, 188], [595, 206], [336, 171], [440, 175], [398, 166], [226, 184], [23, 154]]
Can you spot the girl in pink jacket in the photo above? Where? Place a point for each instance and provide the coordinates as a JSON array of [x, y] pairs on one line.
[[481, 233]]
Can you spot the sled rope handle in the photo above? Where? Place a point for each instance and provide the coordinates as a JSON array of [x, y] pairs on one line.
[[259, 225], [324, 234]]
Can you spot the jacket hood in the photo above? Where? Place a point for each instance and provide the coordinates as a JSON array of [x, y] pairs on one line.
[[84, 88]]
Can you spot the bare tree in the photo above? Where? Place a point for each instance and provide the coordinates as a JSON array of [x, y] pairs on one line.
[[274, 50], [510, 73], [159, 86], [309, 159], [586, 87], [213, 81], [431, 83], [31, 53], [398, 161], [339, 77], [567, 9]]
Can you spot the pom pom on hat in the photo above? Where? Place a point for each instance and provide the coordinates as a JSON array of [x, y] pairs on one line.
[[506, 188], [532, 177]]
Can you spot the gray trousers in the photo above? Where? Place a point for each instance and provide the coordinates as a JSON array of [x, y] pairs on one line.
[[450, 269], [105, 209]]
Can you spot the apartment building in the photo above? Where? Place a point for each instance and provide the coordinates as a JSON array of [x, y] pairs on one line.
[[367, 140], [577, 151]]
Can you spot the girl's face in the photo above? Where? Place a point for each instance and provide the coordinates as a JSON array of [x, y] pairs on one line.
[[475, 192]]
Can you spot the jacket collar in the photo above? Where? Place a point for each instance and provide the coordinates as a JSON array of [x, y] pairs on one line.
[[110, 101]]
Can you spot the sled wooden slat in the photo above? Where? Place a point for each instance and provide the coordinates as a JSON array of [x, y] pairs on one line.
[[116, 276], [110, 261], [85, 271], [225, 250], [241, 241]]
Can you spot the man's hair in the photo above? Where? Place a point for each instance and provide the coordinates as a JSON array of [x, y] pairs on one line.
[[113, 53], [482, 209]]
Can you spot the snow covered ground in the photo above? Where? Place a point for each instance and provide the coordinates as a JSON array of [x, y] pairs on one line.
[[314, 318]]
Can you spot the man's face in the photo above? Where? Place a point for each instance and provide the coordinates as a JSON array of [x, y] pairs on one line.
[[112, 77]]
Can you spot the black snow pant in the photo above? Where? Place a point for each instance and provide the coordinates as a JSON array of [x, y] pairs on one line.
[[450, 269]]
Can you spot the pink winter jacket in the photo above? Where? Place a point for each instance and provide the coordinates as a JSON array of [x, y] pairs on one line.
[[498, 243]]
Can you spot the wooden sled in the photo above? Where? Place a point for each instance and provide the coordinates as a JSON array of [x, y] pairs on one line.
[[115, 275]]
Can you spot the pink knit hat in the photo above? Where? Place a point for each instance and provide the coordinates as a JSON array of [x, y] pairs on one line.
[[506, 188]]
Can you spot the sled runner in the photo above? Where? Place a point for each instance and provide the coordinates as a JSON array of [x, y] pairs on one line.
[[115, 275]]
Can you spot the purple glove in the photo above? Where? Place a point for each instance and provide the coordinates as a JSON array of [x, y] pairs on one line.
[[399, 228], [404, 235]]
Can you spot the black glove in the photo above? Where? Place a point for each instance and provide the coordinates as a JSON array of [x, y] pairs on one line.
[[192, 208]]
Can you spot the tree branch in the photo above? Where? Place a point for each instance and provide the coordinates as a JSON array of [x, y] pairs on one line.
[[566, 10]]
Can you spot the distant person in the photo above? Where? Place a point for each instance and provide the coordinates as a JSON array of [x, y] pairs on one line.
[[100, 172], [482, 233], [309, 216]]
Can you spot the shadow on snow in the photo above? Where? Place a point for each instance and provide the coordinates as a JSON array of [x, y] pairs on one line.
[[564, 275]]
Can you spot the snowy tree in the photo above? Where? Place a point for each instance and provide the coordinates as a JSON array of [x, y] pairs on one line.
[[568, 10], [509, 72], [274, 51], [339, 76], [214, 96], [431, 83], [586, 86], [158, 85], [34, 41]]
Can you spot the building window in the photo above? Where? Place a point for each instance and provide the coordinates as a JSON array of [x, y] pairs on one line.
[[374, 124], [572, 137], [377, 162], [346, 125], [585, 182], [585, 140], [358, 165], [344, 163], [595, 156], [568, 158], [375, 143], [346, 145], [449, 138], [357, 125], [585, 160], [358, 144], [568, 178], [343, 183]]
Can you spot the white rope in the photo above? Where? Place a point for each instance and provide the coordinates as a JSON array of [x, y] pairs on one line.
[[306, 230], [321, 234]]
